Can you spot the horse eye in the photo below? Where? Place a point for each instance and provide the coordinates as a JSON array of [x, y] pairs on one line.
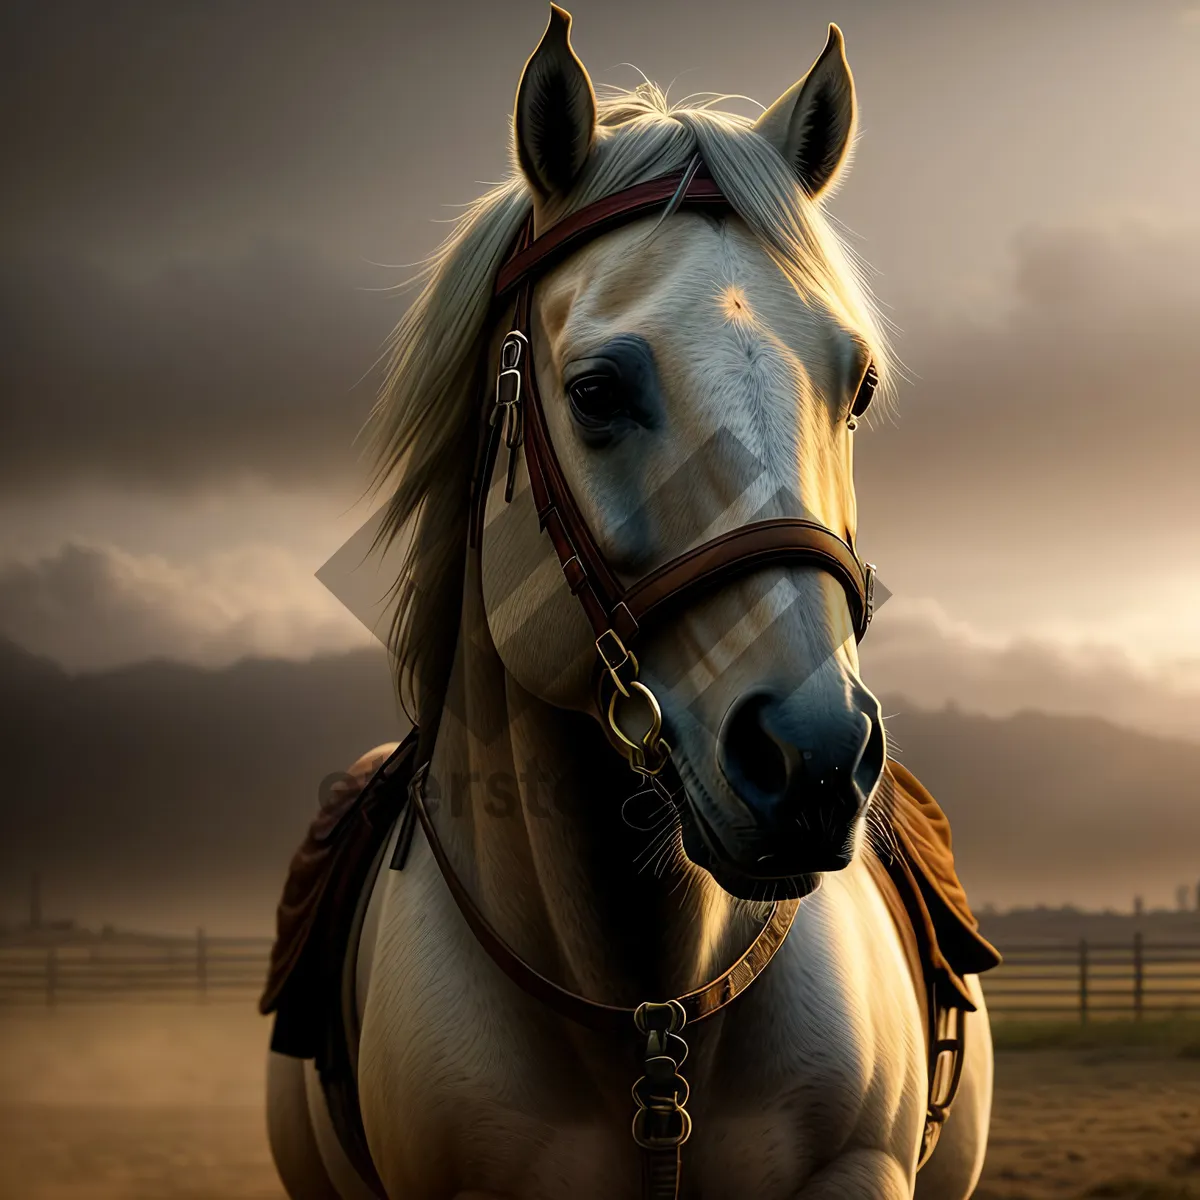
[[595, 398], [866, 390]]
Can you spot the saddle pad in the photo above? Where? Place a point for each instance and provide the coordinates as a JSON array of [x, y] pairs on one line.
[[926, 897], [326, 876]]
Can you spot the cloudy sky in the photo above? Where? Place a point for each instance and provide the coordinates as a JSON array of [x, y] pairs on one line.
[[207, 207]]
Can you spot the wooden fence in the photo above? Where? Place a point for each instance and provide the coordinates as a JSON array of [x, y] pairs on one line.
[[1096, 980], [1067, 981], [162, 968]]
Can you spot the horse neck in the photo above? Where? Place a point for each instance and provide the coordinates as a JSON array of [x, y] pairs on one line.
[[528, 804]]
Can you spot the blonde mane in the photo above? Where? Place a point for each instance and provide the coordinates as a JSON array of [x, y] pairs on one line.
[[422, 431]]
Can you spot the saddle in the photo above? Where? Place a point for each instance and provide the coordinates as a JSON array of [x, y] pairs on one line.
[[321, 910], [325, 885]]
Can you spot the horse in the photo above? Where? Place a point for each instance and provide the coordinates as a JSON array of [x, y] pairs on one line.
[[701, 367]]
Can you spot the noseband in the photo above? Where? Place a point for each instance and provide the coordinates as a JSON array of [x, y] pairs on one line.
[[661, 1121], [618, 613]]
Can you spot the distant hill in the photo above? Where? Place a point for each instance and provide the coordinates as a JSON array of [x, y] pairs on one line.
[[163, 796], [1029, 926], [1058, 809]]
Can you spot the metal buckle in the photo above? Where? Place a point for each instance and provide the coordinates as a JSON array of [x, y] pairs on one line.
[[650, 754], [679, 1132], [508, 401], [615, 657], [661, 1120], [512, 355], [513, 350], [870, 611], [663, 1018]]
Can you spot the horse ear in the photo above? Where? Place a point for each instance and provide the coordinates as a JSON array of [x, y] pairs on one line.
[[812, 123], [555, 119]]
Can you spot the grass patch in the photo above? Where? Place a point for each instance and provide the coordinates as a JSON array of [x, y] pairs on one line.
[[1179, 1036]]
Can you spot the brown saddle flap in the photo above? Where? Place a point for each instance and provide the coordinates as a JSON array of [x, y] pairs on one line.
[[928, 901], [325, 879]]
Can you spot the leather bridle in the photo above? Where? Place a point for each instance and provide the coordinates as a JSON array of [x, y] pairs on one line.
[[616, 612]]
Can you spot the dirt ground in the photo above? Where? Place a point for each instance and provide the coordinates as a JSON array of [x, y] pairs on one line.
[[164, 1103]]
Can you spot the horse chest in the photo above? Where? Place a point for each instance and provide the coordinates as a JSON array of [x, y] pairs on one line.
[[469, 1084]]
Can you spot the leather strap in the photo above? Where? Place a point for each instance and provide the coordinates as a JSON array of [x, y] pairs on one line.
[[661, 1124], [602, 215], [661, 1170], [947, 1045], [760, 543], [943, 1017], [608, 604], [592, 1014], [616, 614]]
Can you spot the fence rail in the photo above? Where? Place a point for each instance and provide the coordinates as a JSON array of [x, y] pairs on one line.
[[1080, 981], [154, 968], [1087, 980]]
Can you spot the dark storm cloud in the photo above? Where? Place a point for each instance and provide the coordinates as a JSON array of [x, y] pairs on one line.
[[208, 370], [1094, 346], [184, 122], [1078, 407], [916, 650], [172, 133], [1084, 391], [81, 600], [134, 119]]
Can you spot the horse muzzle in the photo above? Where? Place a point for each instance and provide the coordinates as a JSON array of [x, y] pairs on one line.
[[804, 775]]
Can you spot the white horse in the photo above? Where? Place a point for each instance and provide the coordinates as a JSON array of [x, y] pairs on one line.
[[697, 373]]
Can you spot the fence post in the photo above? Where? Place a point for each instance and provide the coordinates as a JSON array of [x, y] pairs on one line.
[[1138, 976], [51, 976], [201, 964], [1083, 981]]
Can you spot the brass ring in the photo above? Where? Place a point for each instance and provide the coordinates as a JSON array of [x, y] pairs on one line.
[[651, 735]]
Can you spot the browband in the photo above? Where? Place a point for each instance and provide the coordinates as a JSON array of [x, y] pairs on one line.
[[617, 612], [536, 256]]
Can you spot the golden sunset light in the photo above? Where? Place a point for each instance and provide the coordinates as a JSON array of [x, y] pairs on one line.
[[670, 498]]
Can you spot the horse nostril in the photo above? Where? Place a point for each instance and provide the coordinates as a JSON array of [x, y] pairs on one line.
[[747, 753], [869, 768]]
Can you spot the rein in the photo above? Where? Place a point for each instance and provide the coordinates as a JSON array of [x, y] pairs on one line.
[[695, 1006], [661, 1122], [617, 614]]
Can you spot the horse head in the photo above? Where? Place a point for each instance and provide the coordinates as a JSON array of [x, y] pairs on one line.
[[700, 370]]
